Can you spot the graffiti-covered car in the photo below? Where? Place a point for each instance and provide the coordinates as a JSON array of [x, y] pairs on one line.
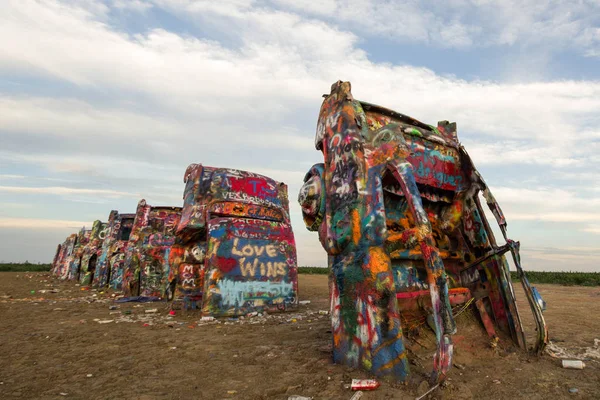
[[57, 259], [92, 251], [74, 260], [397, 205], [109, 267], [235, 251], [147, 255], [63, 259]]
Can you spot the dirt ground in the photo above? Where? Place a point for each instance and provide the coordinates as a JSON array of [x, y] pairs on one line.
[[77, 344]]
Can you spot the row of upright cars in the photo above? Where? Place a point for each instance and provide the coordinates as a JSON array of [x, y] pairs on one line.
[[229, 250], [399, 209]]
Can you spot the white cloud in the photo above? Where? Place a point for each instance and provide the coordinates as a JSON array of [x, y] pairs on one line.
[[133, 5], [593, 229], [32, 223], [60, 190], [462, 23], [140, 107], [11, 176]]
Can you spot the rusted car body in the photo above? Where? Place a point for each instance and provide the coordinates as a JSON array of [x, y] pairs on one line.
[[147, 255], [235, 251], [397, 207], [109, 269], [91, 252], [61, 267]]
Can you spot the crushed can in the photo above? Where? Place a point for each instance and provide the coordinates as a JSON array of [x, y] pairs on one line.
[[364, 384]]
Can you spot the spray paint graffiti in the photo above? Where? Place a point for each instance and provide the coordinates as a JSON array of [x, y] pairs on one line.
[[109, 267], [146, 265], [74, 260], [64, 256], [92, 251], [396, 206], [234, 234]]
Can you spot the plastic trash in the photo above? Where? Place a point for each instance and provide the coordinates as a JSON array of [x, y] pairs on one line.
[[296, 397], [151, 311], [573, 364]]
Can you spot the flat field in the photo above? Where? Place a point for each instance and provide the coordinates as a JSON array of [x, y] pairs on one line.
[[58, 341]]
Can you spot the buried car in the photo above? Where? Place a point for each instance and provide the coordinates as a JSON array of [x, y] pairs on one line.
[[235, 251], [63, 257], [147, 255], [91, 252], [74, 260], [397, 205], [109, 267]]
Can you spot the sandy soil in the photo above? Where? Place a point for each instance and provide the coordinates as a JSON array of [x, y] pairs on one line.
[[60, 345]]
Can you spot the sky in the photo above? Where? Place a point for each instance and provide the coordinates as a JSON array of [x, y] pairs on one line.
[[103, 103]]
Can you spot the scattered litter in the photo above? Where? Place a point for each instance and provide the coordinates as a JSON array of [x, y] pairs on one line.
[[296, 397], [364, 384], [573, 364], [323, 312], [172, 312], [207, 319], [89, 375], [127, 312], [357, 395], [32, 292], [252, 314], [112, 307], [63, 394], [151, 311], [173, 348], [497, 381], [231, 391], [60, 309], [105, 321], [304, 302], [146, 324], [459, 366], [573, 390], [588, 352]]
